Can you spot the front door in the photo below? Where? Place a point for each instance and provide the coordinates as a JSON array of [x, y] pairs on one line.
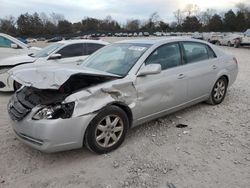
[[161, 92]]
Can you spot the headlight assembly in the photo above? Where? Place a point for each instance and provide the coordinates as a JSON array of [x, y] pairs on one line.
[[63, 111]]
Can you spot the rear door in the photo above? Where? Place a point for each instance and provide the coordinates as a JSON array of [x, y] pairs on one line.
[[72, 53], [202, 68]]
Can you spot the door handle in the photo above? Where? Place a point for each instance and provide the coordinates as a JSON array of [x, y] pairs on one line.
[[214, 67], [181, 76]]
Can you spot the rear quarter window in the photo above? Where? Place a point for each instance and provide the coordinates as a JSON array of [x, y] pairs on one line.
[[92, 47]]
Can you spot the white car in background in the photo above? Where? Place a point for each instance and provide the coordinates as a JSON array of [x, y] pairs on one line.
[[10, 46], [227, 39], [63, 52], [243, 40]]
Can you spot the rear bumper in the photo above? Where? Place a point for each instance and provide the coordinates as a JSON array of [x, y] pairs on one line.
[[233, 75], [52, 135]]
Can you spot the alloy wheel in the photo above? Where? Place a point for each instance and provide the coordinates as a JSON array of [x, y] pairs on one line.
[[109, 130], [219, 90]]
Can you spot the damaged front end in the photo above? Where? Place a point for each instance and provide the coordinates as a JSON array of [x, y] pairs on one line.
[[24, 100], [50, 102]]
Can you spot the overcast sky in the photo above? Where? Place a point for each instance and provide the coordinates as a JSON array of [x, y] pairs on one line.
[[121, 10]]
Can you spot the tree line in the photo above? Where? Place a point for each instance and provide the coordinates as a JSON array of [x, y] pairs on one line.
[[190, 19]]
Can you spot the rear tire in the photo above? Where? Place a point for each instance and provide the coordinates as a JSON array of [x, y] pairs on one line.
[[218, 92], [237, 43], [107, 130]]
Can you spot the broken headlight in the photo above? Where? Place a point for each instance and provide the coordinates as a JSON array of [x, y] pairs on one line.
[[63, 111]]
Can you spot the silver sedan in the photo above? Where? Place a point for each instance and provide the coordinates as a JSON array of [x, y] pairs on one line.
[[118, 87]]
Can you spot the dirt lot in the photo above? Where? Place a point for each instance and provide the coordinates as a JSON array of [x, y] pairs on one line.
[[213, 151]]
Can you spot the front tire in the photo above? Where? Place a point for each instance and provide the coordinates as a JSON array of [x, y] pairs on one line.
[[107, 130], [219, 91]]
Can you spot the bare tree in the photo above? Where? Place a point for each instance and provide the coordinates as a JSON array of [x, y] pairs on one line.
[[206, 16], [8, 24], [55, 18], [242, 7], [154, 18], [179, 16], [133, 25], [108, 19], [43, 16]]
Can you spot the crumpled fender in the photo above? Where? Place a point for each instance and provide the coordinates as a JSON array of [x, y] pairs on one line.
[[93, 99]]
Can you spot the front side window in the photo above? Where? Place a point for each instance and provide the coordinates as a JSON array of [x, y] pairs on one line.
[[195, 51], [72, 50], [116, 58], [167, 56], [5, 43], [92, 47]]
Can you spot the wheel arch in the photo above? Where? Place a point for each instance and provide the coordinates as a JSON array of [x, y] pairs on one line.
[[125, 108], [226, 77]]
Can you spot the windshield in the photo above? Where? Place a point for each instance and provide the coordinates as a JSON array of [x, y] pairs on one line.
[[117, 58], [47, 50]]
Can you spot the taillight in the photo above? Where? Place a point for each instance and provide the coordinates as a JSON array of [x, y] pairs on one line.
[[235, 60]]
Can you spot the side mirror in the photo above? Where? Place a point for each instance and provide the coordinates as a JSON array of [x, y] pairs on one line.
[[13, 45], [150, 69], [55, 56]]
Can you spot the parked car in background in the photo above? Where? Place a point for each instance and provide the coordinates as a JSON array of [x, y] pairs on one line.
[[146, 34], [10, 46], [63, 52], [31, 40], [41, 39], [243, 40], [227, 39], [118, 87], [55, 39], [213, 37], [23, 40], [140, 34], [197, 35]]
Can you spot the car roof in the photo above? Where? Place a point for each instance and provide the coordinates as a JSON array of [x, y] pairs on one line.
[[153, 41], [83, 41]]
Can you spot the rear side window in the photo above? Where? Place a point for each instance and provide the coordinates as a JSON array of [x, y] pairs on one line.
[[167, 56], [72, 50], [92, 47], [195, 52]]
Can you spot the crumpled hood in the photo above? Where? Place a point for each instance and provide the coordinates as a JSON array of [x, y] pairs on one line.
[[52, 76], [18, 59]]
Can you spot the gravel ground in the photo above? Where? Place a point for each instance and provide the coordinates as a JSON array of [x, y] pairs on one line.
[[212, 151]]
